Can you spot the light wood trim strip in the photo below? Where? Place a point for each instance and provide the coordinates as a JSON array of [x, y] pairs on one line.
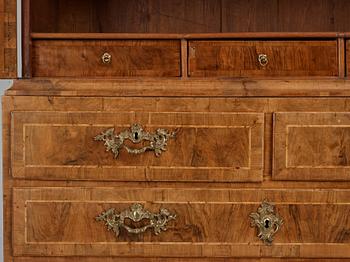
[[341, 57]]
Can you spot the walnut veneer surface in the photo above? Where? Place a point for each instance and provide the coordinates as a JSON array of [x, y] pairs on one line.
[[61, 178], [243, 103]]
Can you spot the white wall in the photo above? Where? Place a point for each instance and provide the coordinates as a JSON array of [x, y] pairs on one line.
[[4, 84]]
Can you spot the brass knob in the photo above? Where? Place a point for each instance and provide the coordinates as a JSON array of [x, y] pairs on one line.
[[263, 60], [106, 58]]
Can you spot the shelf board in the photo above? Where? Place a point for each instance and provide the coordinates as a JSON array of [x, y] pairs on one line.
[[243, 35]]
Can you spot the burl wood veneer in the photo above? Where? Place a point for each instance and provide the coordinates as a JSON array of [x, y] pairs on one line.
[[241, 103]]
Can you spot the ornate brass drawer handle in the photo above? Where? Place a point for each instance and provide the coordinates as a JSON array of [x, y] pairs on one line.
[[115, 221], [266, 222], [115, 142], [263, 60]]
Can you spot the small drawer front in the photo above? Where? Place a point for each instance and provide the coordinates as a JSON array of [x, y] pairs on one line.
[[208, 222], [205, 146], [262, 58], [311, 146], [89, 58]]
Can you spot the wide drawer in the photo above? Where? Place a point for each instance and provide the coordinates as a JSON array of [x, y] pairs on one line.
[[208, 223], [311, 146], [206, 146], [263, 58], [102, 58]]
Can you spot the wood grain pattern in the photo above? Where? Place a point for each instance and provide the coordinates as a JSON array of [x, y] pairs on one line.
[[60, 146], [327, 198], [240, 58], [260, 16], [167, 16], [8, 35], [311, 146], [285, 15], [133, 16], [204, 88], [163, 259], [83, 58], [206, 225], [230, 35]]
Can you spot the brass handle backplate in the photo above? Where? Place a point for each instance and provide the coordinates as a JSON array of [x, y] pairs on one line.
[[136, 134], [136, 212], [266, 222], [263, 60], [106, 58]]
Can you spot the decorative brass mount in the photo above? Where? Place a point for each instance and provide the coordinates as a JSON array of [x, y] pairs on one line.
[[115, 142], [266, 222], [263, 60], [106, 58], [136, 212]]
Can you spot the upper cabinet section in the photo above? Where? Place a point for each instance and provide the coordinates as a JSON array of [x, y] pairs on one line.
[[186, 38], [8, 53], [189, 16]]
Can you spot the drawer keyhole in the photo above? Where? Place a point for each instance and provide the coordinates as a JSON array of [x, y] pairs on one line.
[[267, 223], [136, 136]]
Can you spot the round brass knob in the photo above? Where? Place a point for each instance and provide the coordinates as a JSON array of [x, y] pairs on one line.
[[263, 60], [106, 58]]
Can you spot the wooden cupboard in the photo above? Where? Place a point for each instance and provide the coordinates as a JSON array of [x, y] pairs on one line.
[[177, 130]]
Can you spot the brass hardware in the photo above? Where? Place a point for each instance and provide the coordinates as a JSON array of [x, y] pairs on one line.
[[263, 60], [115, 142], [266, 222], [136, 212], [106, 58]]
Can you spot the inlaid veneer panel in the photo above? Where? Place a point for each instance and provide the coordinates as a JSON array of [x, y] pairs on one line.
[[209, 222], [311, 146], [207, 146]]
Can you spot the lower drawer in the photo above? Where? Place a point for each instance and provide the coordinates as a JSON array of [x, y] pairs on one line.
[[197, 223]]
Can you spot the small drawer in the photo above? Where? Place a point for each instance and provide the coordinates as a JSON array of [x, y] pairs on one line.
[[262, 58], [151, 146], [198, 222], [105, 58], [311, 146]]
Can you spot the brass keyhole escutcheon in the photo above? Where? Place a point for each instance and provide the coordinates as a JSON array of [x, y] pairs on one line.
[[106, 58], [266, 221], [263, 60]]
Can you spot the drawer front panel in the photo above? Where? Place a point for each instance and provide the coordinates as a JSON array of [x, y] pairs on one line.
[[284, 58], [207, 146], [84, 58], [208, 223], [311, 146]]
